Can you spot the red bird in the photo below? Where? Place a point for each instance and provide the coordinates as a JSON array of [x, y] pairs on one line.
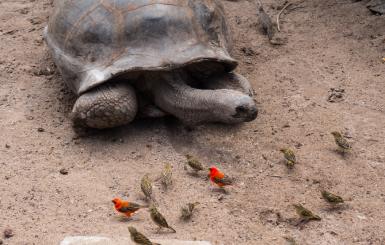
[[126, 208], [219, 178]]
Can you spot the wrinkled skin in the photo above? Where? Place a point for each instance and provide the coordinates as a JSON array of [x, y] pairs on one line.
[[225, 98]]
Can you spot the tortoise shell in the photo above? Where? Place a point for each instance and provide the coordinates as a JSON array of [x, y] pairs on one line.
[[93, 41]]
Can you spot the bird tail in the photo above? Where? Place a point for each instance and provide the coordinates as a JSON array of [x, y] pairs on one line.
[[316, 217], [172, 229]]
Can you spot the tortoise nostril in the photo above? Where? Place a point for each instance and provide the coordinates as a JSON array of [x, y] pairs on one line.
[[253, 113], [240, 109]]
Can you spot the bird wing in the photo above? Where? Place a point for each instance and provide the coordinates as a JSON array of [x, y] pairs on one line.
[[158, 217], [224, 181], [343, 143], [141, 239], [131, 207], [195, 164], [290, 156]]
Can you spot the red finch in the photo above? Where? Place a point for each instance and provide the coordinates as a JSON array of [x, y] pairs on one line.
[[219, 178], [127, 208]]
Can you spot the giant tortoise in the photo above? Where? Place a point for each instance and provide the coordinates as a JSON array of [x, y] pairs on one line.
[[148, 57]]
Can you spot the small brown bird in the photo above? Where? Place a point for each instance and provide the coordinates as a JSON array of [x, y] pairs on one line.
[[265, 20], [305, 214], [159, 219], [342, 143], [146, 186], [289, 156], [127, 208], [331, 198], [187, 210], [166, 176], [139, 238], [194, 164]]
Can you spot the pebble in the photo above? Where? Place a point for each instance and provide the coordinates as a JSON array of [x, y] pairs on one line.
[[64, 171], [40, 130], [8, 233]]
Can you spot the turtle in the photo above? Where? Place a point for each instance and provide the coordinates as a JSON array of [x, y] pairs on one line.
[[151, 58]]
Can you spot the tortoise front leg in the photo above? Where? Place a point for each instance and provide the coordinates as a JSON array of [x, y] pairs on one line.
[[106, 106]]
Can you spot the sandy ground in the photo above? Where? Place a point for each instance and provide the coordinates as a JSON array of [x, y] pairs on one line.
[[331, 44]]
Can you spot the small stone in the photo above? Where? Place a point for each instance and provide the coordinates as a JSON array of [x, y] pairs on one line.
[[7, 146], [43, 71], [40, 130], [298, 145], [336, 95], [249, 51], [316, 181], [8, 233], [64, 171], [264, 156], [36, 20]]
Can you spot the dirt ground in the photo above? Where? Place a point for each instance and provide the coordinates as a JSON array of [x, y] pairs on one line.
[[335, 44]]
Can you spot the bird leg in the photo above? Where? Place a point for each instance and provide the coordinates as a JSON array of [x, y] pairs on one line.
[[159, 229]]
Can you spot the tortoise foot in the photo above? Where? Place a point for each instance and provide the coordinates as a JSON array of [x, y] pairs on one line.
[[107, 106]]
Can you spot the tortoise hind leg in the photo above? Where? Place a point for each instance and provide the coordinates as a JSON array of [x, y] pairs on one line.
[[106, 106]]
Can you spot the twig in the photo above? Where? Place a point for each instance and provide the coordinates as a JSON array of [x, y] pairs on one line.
[[295, 8], [279, 14], [275, 176]]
